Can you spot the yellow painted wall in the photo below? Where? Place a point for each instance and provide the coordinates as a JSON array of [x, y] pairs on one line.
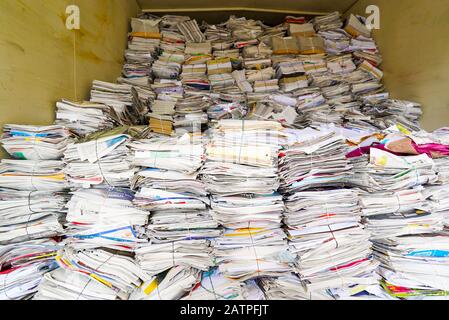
[[37, 53], [414, 41]]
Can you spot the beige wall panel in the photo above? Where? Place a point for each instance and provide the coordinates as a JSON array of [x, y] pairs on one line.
[[37, 53], [414, 42]]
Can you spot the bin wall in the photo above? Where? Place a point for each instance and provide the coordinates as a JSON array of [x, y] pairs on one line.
[[414, 42], [37, 53]]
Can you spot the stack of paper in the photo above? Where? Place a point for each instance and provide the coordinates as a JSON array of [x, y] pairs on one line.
[[92, 275], [27, 215], [85, 118], [172, 285], [334, 251], [32, 175], [101, 160], [35, 143], [156, 258], [23, 265], [316, 159], [414, 267], [191, 31], [95, 214], [214, 286], [119, 97]]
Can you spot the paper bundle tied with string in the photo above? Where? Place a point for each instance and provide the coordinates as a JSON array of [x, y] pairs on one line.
[[144, 28], [311, 45], [356, 28], [304, 30], [287, 45]]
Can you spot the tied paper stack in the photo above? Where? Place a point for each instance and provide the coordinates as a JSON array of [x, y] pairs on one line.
[[32, 200], [180, 227], [323, 220], [240, 173]]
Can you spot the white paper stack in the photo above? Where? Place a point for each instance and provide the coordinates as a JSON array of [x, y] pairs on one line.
[[102, 160], [35, 142], [156, 258], [334, 251], [32, 175], [95, 217], [214, 286], [23, 265], [92, 275], [85, 118], [316, 159], [27, 215], [173, 285]]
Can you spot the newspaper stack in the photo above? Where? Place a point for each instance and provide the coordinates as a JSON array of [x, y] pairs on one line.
[[335, 259], [191, 113], [144, 40], [214, 286], [29, 214], [180, 224], [316, 159], [172, 285], [119, 97], [101, 160], [241, 175], [35, 143], [85, 118], [92, 275], [104, 218], [22, 266]]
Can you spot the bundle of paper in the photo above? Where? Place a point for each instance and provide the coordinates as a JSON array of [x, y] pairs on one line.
[[390, 172], [414, 267], [251, 253], [191, 31], [90, 210], [168, 154], [172, 41], [103, 159], [176, 225], [84, 118], [336, 41], [284, 45], [335, 257], [219, 66], [32, 175], [314, 64], [155, 199], [166, 70], [328, 22], [91, 275], [394, 202], [266, 85], [23, 265], [171, 21], [221, 80], [173, 285], [156, 258], [257, 52], [214, 286], [304, 29], [256, 63], [29, 215], [288, 287], [293, 83], [228, 179], [408, 223], [259, 75], [289, 69], [316, 159], [35, 143]]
